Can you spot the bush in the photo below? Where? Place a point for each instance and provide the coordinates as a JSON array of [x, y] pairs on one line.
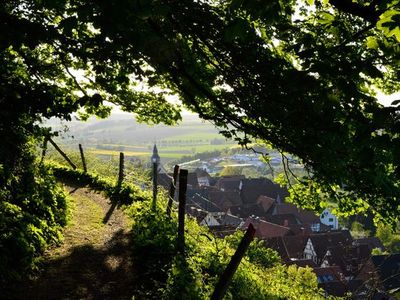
[[31, 218], [122, 194]]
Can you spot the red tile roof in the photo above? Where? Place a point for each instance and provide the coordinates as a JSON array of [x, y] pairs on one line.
[[225, 199], [304, 216], [288, 246], [266, 202], [253, 188], [264, 229], [245, 212]]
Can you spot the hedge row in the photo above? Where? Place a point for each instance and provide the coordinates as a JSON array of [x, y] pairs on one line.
[[122, 194]]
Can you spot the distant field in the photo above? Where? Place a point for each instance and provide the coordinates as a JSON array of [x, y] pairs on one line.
[[181, 149], [197, 135], [126, 146], [196, 148], [171, 152], [122, 133], [132, 153]]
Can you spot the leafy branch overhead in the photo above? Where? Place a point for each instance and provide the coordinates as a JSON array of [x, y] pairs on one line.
[[301, 75]]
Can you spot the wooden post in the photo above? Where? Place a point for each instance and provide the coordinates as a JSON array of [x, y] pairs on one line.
[[183, 176], [172, 188], [83, 158], [226, 277], [155, 173], [62, 153], [121, 168]]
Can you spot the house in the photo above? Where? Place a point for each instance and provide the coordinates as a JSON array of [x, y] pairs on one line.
[[382, 273], [229, 183], [309, 228], [209, 220], [199, 201], [307, 219], [202, 191], [284, 219], [331, 281], [225, 199], [289, 247], [203, 178], [329, 219], [230, 220], [192, 180], [251, 189], [318, 243], [264, 229], [203, 217], [265, 202], [304, 216], [350, 258], [247, 211], [371, 242]]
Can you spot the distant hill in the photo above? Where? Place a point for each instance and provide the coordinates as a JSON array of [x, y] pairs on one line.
[[125, 130], [121, 132]]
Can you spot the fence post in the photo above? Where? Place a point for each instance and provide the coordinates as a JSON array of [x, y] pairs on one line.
[[83, 158], [62, 153], [172, 188], [183, 175], [121, 168], [155, 174], [226, 277]]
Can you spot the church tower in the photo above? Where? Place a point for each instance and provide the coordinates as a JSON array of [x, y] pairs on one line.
[[155, 158]]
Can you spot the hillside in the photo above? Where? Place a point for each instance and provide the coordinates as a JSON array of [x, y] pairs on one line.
[[109, 255], [121, 132]]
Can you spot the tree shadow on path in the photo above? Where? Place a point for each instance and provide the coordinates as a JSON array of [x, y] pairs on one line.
[[86, 273]]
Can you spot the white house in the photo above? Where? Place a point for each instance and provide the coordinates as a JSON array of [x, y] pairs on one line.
[[309, 251], [329, 219], [209, 221]]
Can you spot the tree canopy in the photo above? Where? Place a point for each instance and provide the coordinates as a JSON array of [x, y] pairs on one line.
[[300, 75]]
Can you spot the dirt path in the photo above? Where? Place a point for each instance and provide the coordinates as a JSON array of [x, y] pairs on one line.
[[94, 261]]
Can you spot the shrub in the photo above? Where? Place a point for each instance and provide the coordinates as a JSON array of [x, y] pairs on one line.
[[31, 218], [124, 193]]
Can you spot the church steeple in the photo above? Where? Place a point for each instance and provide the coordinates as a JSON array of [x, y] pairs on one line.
[[155, 157]]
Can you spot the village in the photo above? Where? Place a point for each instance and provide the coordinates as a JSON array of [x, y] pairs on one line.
[[344, 265]]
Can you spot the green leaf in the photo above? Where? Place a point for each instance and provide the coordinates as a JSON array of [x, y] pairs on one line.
[[372, 42], [389, 23], [326, 18]]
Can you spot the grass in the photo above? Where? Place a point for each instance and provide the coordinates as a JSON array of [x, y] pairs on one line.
[[86, 217], [95, 259]]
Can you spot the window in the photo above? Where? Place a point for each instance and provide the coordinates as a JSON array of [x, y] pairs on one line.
[[330, 219]]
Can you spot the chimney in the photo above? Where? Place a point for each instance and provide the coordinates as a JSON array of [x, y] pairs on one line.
[[286, 223]]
